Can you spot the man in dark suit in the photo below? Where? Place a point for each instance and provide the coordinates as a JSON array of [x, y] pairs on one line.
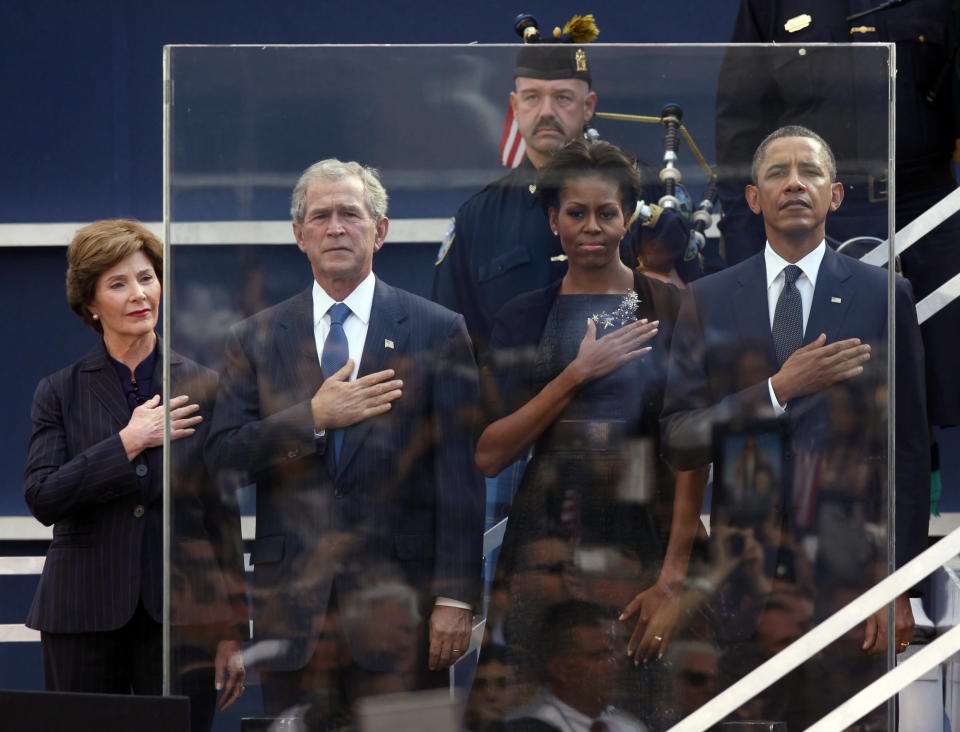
[[581, 666], [797, 333], [762, 86], [351, 407]]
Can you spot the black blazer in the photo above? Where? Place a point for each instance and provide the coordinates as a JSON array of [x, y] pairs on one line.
[[405, 501], [723, 355], [106, 511]]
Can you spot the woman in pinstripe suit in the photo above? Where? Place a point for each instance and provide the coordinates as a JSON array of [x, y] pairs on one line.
[[94, 471]]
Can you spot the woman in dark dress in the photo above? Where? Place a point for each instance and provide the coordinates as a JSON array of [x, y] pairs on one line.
[[94, 472], [581, 367]]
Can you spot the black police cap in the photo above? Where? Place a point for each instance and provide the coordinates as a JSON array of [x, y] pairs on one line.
[[550, 61]]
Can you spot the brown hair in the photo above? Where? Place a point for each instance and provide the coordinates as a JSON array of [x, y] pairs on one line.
[[96, 248], [578, 159]]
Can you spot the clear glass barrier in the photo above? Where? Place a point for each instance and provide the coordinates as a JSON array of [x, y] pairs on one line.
[[355, 523]]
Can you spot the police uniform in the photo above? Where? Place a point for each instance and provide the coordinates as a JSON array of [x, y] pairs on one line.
[[501, 246], [815, 90]]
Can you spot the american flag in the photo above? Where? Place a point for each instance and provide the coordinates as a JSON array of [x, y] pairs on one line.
[[512, 146]]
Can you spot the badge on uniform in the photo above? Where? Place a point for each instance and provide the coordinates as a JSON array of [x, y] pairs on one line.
[[798, 23], [387, 343], [447, 241], [581, 60]]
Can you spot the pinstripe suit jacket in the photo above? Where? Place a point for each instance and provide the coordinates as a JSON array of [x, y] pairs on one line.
[[106, 510], [405, 500]]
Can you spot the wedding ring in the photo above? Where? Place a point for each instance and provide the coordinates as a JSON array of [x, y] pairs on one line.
[[658, 638]]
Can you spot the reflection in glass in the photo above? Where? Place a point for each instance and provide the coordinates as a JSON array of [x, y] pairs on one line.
[[601, 526]]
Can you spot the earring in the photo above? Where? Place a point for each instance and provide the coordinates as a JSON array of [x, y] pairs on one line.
[[96, 317], [556, 233]]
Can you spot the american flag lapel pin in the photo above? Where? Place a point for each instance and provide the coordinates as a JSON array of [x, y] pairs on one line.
[[836, 300], [387, 343]]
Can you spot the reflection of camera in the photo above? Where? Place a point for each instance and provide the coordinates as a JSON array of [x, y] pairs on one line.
[[786, 569], [736, 544]]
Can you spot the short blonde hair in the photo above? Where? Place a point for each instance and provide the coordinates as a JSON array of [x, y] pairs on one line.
[[96, 248]]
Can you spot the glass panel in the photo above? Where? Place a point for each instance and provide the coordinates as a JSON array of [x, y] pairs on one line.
[[363, 519]]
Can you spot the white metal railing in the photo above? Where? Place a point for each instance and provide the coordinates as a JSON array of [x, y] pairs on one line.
[[909, 235], [828, 631], [892, 682]]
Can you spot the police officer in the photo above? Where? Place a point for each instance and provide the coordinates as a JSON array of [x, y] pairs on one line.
[[501, 244]]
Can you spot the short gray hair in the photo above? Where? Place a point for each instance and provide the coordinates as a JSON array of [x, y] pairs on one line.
[[331, 169], [792, 131]]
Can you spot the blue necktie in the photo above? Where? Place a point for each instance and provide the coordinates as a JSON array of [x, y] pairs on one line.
[[788, 317], [336, 351]]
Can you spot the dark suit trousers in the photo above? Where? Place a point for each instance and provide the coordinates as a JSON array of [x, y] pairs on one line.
[[110, 662], [128, 659]]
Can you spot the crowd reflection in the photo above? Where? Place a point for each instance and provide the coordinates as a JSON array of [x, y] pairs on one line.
[[621, 397]]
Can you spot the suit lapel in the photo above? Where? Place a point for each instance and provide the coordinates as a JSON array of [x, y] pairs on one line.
[[750, 306], [297, 348], [387, 335], [104, 384], [833, 284]]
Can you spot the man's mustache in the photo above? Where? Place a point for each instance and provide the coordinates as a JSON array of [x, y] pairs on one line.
[[551, 123]]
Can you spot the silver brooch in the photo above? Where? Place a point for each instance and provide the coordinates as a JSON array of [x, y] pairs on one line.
[[625, 313]]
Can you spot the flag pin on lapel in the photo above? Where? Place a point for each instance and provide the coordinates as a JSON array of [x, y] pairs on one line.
[[387, 343], [835, 299]]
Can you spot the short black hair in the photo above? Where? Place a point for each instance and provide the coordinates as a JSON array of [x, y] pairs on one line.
[[556, 635], [792, 131], [496, 653]]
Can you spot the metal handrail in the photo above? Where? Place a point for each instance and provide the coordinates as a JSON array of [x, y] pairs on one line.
[[828, 631]]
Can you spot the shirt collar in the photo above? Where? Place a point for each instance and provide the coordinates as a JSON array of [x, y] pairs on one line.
[[360, 301], [810, 264], [568, 713], [143, 373]]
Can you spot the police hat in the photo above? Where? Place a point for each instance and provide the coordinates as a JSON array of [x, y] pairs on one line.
[[550, 61]]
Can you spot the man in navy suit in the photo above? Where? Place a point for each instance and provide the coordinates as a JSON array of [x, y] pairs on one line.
[[816, 363], [351, 407]]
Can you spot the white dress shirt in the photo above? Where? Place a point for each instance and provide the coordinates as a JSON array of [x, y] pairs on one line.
[[806, 283], [548, 708], [360, 302]]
